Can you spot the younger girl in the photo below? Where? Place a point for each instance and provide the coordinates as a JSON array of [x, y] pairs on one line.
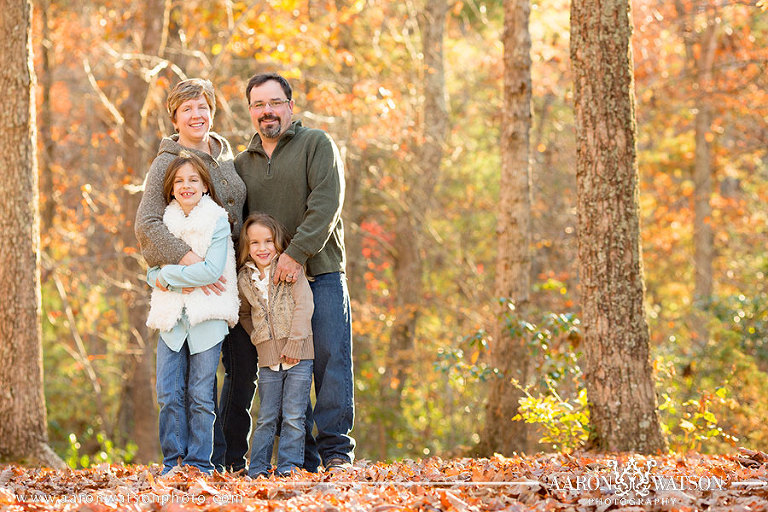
[[279, 320], [192, 324]]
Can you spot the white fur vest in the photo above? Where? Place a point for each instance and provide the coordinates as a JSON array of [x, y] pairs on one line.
[[196, 230]]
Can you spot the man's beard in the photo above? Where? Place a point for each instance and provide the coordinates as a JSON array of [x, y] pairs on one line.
[[271, 131]]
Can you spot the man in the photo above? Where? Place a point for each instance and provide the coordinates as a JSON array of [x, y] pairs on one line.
[[296, 175]]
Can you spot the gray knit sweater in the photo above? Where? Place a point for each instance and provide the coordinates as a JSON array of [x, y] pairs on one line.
[[158, 245]]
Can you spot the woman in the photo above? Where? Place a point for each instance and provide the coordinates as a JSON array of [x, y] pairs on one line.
[[191, 106]]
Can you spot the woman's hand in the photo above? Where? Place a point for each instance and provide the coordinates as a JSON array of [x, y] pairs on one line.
[[190, 258], [291, 360], [218, 287]]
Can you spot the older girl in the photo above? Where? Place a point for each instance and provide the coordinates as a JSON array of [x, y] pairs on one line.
[[192, 325]]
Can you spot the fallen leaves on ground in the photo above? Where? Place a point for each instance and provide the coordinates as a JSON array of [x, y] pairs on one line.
[[559, 482]]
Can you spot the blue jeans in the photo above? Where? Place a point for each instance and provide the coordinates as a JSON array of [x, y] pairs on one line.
[[334, 411], [185, 394], [282, 393], [240, 360]]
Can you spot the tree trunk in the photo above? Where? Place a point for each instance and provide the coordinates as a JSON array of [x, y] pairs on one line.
[[354, 171], [139, 410], [408, 265], [513, 230], [702, 223], [46, 82], [23, 430], [703, 238], [622, 399], [700, 65]]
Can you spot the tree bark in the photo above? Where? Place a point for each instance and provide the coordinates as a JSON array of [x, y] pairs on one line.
[[139, 411], [622, 399], [408, 265], [700, 65], [703, 237], [46, 82], [23, 430], [513, 231]]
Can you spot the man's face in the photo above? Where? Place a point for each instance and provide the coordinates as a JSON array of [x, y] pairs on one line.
[[270, 121]]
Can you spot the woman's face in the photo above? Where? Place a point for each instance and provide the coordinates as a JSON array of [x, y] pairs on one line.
[[193, 121]]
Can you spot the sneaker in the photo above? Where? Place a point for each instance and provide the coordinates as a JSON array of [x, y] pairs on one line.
[[336, 464], [170, 473]]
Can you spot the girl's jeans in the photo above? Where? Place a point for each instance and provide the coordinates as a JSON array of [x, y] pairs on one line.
[[281, 393], [185, 393]]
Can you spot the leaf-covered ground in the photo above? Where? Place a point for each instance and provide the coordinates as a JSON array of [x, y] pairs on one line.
[[541, 482]]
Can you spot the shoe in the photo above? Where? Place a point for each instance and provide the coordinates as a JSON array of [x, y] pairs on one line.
[[336, 464], [170, 473]]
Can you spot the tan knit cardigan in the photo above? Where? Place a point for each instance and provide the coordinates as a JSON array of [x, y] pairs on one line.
[[283, 327]]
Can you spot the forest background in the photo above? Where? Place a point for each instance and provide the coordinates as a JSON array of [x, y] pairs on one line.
[[421, 239]]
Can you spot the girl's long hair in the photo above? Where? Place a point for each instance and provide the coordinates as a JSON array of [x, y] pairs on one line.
[[280, 236], [187, 157]]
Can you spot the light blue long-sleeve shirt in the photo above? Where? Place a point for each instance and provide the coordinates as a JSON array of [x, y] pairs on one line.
[[206, 334]]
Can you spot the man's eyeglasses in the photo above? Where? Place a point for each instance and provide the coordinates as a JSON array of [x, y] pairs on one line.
[[259, 106]]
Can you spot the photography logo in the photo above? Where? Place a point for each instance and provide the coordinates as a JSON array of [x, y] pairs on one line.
[[631, 479], [631, 484]]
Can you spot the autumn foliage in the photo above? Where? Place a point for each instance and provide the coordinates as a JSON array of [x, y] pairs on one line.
[[544, 482], [357, 70]]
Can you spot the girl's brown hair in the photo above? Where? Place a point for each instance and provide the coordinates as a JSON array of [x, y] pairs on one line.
[[280, 236], [186, 157]]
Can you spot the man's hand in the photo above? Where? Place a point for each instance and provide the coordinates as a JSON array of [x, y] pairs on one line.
[[288, 269], [160, 286], [291, 360]]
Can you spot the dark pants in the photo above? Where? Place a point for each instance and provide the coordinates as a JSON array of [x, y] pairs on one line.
[[233, 419]]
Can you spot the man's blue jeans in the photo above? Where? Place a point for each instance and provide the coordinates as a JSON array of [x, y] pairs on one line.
[[240, 360], [334, 411], [185, 393], [282, 393]]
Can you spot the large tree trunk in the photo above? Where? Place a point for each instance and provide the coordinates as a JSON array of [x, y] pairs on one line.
[[23, 429], [513, 230], [139, 412], [622, 399]]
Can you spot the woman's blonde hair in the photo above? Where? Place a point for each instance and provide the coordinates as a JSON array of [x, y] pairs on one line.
[[187, 157], [189, 90], [280, 236]]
